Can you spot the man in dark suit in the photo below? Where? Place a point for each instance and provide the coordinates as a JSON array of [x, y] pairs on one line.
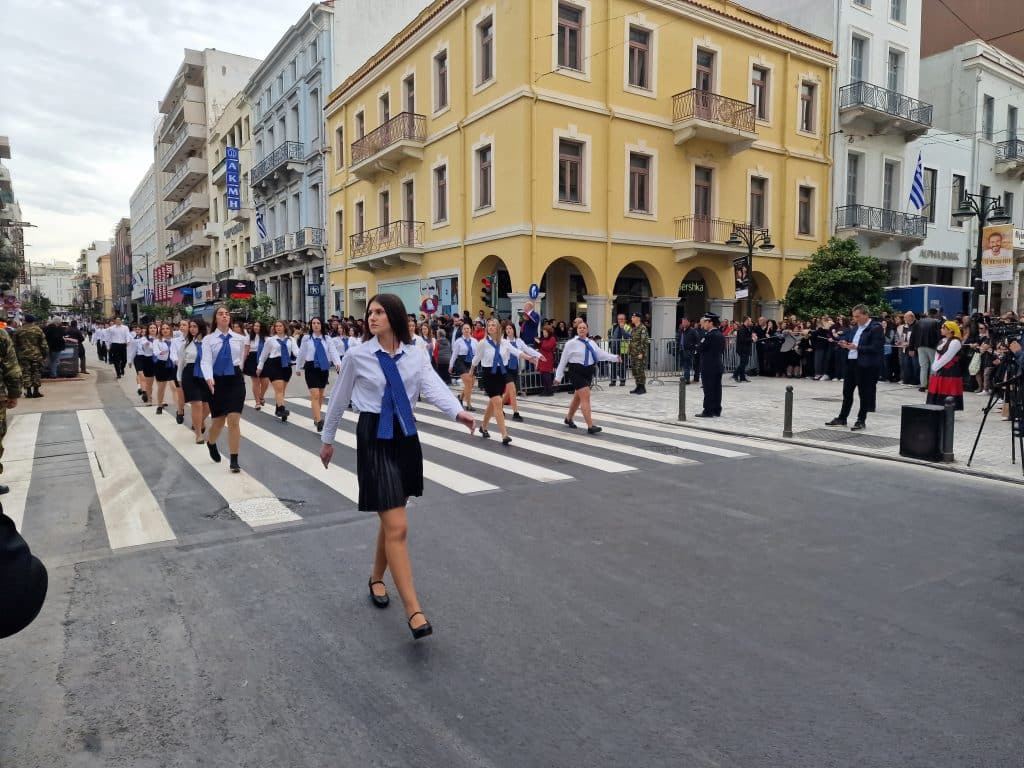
[[745, 338], [712, 349], [864, 343]]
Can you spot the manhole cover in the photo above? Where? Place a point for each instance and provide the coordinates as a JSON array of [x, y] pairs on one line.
[[668, 450], [827, 399], [846, 436]]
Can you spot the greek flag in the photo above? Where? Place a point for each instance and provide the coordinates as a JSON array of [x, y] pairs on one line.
[[261, 227], [917, 188]]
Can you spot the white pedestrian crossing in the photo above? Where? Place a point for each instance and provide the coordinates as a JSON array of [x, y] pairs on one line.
[[18, 460]]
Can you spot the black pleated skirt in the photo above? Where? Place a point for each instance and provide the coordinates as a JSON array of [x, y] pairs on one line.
[[460, 366], [580, 376], [493, 383], [512, 377], [144, 365], [389, 471], [165, 372], [249, 367], [228, 394], [316, 378], [195, 389], [273, 370]]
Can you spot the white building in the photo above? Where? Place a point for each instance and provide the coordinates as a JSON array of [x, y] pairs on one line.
[[880, 125], [56, 281], [978, 94], [145, 242]]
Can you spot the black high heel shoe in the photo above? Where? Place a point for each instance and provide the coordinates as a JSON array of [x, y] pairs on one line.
[[380, 602], [484, 433], [422, 630]]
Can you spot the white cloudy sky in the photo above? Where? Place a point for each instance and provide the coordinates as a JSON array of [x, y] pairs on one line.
[[80, 83]]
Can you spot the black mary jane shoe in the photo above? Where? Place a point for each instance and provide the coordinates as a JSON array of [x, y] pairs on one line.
[[484, 433], [506, 440], [378, 600], [159, 410], [421, 631], [320, 426], [516, 416], [593, 430], [214, 451], [180, 417], [570, 424]]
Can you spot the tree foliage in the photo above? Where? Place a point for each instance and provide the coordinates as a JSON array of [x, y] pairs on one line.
[[158, 312], [38, 305], [259, 307], [838, 278]]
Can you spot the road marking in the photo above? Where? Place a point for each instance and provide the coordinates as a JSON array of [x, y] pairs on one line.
[[132, 514], [19, 457], [455, 481], [253, 503]]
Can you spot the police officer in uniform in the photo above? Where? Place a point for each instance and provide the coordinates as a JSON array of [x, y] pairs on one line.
[[10, 388], [31, 349], [639, 349], [712, 350]]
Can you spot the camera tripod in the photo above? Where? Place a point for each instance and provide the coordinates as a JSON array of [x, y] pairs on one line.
[[1012, 390]]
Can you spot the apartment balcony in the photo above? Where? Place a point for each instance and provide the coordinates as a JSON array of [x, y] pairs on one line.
[[400, 242], [188, 143], [709, 116], [279, 165], [189, 73], [188, 245], [704, 234], [188, 174], [218, 176], [305, 244], [383, 148], [871, 109], [1010, 158], [190, 108], [192, 278], [880, 225], [213, 230], [187, 211]]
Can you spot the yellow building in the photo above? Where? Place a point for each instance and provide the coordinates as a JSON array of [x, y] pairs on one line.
[[103, 288], [600, 149]]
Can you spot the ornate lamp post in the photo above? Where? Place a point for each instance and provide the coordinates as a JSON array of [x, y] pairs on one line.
[[752, 237], [989, 210]]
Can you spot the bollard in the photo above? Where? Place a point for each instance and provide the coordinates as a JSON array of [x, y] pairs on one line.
[[682, 399], [947, 430], [787, 426]]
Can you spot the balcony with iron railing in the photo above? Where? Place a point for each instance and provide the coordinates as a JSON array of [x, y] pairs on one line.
[[403, 136], [290, 156], [197, 276], [882, 224], [308, 241], [188, 174], [219, 172], [190, 141], [698, 114], [1010, 158], [187, 211], [695, 234], [187, 245], [391, 244], [868, 108]]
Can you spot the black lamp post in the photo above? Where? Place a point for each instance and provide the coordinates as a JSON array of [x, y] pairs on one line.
[[752, 237], [989, 210]]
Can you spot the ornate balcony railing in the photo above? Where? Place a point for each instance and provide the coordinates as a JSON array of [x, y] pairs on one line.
[[881, 220], [308, 236], [289, 152], [882, 99], [190, 201], [704, 105], [397, 234], [406, 126], [1010, 150], [704, 229]]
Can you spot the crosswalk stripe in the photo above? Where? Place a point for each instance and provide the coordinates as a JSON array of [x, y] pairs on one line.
[[132, 514], [334, 477], [647, 438], [18, 459], [493, 461], [252, 502], [455, 481]]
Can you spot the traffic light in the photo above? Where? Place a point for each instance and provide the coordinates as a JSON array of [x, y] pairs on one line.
[[489, 284]]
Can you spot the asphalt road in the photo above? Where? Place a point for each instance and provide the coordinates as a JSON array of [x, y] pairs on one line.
[[780, 608]]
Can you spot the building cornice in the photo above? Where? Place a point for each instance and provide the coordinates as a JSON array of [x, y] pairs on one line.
[[277, 56]]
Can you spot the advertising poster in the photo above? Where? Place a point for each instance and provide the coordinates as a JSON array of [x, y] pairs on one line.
[[742, 271], [997, 253]]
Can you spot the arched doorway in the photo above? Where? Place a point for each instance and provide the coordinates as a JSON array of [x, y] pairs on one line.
[[632, 292], [693, 295], [565, 284], [761, 290], [491, 265]]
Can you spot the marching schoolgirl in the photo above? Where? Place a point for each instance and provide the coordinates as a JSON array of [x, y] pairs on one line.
[[429, 344], [191, 379], [579, 358], [492, 355], [345, 340], [277, 357], [130, 355], [463, 352], [223, 355], [257, 340], [417, 341], [316, 357], [178, 343], [520, 350], [144, 367], [383, 378], [164, 368]]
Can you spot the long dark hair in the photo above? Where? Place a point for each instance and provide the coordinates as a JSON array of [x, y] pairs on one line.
[[398, 319], [264, 332], [201, 325]]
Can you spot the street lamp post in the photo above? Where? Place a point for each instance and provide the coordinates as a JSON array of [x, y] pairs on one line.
[[752, 237], [989, 210]]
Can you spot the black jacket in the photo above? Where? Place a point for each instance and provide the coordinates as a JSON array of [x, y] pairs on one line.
[[54, 337], [744, 340], [690, 339], [23, 578], [925, 333], [871, 346], [712, 348]]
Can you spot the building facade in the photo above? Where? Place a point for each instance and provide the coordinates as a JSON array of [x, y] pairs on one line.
[[12, 238], [978, 93], [121, 268], [145, 242], [487, 138], [204, 85], [103, 289], [56, 281]]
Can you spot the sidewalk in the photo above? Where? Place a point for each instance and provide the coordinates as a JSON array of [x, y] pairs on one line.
[[756, 409]]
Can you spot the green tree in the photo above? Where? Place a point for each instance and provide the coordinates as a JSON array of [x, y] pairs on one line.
[[838, 278], [37, 304], [259, 307], [158, 312]]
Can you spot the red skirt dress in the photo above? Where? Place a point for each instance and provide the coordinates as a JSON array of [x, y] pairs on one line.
[[948, 381]]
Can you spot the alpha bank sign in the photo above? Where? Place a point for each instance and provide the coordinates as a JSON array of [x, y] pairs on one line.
[[940, 258]]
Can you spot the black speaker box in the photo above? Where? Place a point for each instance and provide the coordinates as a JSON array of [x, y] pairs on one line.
[[921, 432]]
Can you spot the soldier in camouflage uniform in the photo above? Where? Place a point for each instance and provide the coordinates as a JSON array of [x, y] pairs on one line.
[[10, 387], [32, 349], [639, 349]]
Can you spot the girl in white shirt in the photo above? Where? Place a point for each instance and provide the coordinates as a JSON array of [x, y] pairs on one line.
[[277, 358], [257, 341], [492, 356], [179, 342], [383, 378], [521, 351], [418, 341], [223, 371], [579, 358], [345, 340], [463, 352], [190, 376], [144, 361], [316, 358], [164, 369]]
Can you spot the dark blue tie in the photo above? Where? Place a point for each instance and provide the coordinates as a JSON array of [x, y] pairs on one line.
[[223, 366], [320, 356], [197, 369], [469, 350], [513, 360], [589, 354], [286, 359], [496, 363], [168, 362], [395, 402], [344, 341], [152, 346], [259, 349]]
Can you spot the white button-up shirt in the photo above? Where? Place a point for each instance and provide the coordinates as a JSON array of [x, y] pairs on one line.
[[575, 351], [118, 334], [211, 348], [307, 352], [856, 339]]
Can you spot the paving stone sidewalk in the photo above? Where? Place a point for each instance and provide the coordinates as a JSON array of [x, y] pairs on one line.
[[756, 409]]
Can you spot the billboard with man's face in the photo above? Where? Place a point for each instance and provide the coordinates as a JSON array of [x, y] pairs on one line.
[[997, 253]]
